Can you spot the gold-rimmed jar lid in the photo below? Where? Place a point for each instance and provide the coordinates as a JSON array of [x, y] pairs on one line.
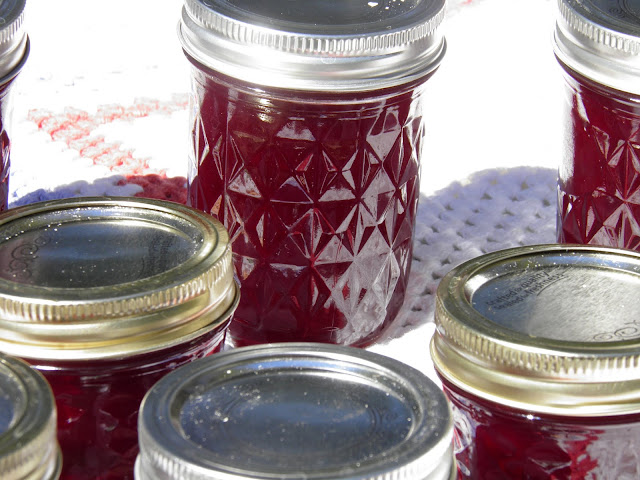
[[103, 277], [546, 328], [28, 445]]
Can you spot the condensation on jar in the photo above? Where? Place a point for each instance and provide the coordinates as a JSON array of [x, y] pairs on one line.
[[14, 51], [306, 143], [295, 410], [537, 349], [597, 44], [28, 446], [104, 296]]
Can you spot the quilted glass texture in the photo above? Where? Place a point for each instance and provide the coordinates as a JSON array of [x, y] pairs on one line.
[[599, 177], [319, 193]]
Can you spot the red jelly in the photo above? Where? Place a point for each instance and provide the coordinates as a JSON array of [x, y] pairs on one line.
[[306, 144], [536, 348], [104, 297], [14, 51], [597, 44]]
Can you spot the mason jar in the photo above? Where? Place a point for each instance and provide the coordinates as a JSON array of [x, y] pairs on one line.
[[597, 43], [28, 446], [295, 410], [104, 296], [14, 51], [538, 349], [306, 139]]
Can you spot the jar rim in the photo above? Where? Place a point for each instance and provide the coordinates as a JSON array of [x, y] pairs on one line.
[[602, 44], [268, 389], [28, 443], [94, 276], [309, 52], [522, 327]]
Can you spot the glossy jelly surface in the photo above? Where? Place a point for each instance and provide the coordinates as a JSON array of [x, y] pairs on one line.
[[495, 442], [319, 193], [98, 403], [5, 143], [599, 178]]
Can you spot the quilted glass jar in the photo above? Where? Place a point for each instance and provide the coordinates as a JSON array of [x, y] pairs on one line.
[[295, 410], [538, 350], [306, 143], [597, 43], [105, 296], [28, 446], [14, 51]]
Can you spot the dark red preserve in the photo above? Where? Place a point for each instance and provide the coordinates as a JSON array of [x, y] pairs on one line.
[[597, 43], [104, 297], [537, 351], [306, 133], [14, 51]]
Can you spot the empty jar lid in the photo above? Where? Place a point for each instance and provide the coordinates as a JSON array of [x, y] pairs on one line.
[[28, 444], [105, 277], [600, 39], [329, 45], [548, 328], [298, 411]]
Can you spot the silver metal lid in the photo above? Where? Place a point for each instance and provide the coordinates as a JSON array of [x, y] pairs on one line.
[[14, 43], [295, 411], [548, 328], [103, 277], [330, 45], [600, 39], [28, 444]]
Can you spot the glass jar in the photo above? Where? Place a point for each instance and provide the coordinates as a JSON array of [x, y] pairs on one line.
[[537, 348], [295, 410], [597, 43], [104, 296], [306, 143], [14, 51], [28, 446]]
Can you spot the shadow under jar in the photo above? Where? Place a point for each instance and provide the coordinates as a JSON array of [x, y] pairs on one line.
[[104, 297], [306, 143], [14, 51], [597, 43], [537, 348]]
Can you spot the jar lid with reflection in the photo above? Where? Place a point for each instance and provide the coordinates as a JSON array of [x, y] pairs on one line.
[[552, 329], [335, 45], [28, 446], [295, 410], [88, 278], [600, 39], [14, 41]]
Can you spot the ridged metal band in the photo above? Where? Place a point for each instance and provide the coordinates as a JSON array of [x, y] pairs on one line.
[[309, 44], [35, 452], [597, 51], [521, 370]]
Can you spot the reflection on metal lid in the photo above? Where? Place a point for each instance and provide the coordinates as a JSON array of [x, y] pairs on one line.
[[329, 45], [99, 276], [28, 445], [551, 328], [295, 411]]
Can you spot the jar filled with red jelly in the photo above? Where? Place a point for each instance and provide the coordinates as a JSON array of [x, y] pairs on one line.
[[14, 51], [307, 134], [104, 296], [295, 411], [537, 349], [28, 446], [597, 43]]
